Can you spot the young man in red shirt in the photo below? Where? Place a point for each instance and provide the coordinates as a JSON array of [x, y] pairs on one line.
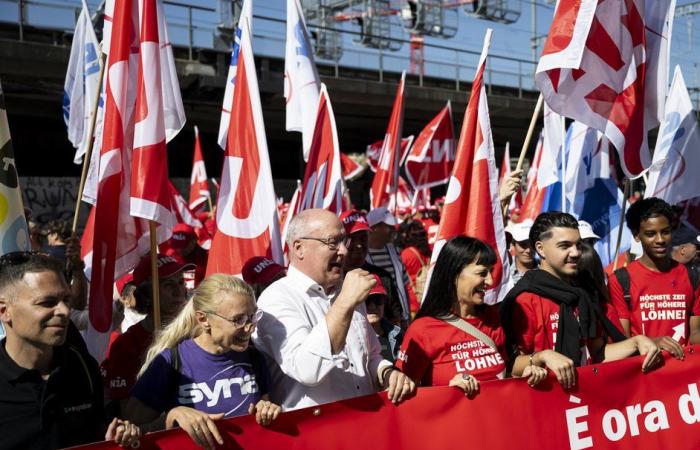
[[654, 295], [558, 324]]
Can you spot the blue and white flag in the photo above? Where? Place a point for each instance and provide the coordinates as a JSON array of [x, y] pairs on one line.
[[673, 174], [591, 191], [247, 13], [82, 80], [301, 81]]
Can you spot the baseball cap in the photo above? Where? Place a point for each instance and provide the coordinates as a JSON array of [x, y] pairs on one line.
[[378, 288], [684, 235], [182, 233], [167, 267], [261, 270], [586, 230], [123, 281], [520, 231], [381, 215], [354, 221]]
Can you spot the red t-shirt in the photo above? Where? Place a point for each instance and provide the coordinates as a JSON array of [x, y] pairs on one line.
[[431, 229], [433, 351], [661, 303], [126, 355], [413, 261], [535, 322]]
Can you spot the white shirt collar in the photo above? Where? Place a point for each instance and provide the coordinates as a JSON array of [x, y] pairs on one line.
[[303, 281]]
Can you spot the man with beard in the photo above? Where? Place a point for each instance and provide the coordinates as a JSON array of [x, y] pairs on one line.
[[656, 295], [127, 352], [314, 328], [556, 323]]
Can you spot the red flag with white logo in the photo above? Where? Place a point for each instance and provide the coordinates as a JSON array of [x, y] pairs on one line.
[[430, 160], [246, 213], [182, 211], [375, 149], [350, 167], [323, 183], [386, 178], [516, 201], [605, 64], [471, 204], [199, 183]]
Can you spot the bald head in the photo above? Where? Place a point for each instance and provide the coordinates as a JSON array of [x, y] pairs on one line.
[[316, 240]]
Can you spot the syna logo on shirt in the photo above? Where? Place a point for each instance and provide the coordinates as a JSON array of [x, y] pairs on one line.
[[196, 392]]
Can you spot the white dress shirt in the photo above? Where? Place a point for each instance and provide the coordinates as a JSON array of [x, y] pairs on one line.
[[293, 332]]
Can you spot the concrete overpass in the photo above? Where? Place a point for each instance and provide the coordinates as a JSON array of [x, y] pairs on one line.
[[33, 70]]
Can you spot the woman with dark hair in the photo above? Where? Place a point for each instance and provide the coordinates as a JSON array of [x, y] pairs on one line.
[[456, 339], [591, 278]]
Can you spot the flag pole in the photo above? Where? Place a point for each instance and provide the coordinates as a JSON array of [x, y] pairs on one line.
[[528, 138], [621, 223], [154, 275], [563, 164], [91, 134], [211, 207]]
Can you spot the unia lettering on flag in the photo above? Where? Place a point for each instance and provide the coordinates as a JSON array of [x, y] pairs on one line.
[[605, 64], [323, 184], [472, 206], [246, 214], [199, 182]]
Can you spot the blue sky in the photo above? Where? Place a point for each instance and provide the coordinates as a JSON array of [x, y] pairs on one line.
[[512, 40]]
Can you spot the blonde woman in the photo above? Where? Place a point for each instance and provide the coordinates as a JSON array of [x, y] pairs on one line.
[[201, 367]]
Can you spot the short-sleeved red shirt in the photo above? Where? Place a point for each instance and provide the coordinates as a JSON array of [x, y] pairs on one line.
[[535, 322], [433, 351], [126, 355], [661, 303], [413, 260]]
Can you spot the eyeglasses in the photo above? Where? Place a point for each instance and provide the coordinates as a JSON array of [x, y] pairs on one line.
[[332, 243], [242, 320]]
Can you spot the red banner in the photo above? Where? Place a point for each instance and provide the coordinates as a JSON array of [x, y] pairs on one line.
[[613, 405]]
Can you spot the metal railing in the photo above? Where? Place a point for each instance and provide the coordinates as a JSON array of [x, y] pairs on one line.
[[193, 27]]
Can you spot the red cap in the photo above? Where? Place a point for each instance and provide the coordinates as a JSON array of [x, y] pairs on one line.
[[182, 233], [354, 221], [167, 267], [123, 281], [261, 270], [378, 288]]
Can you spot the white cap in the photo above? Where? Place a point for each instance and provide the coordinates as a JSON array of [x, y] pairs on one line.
[[586, 230], [520, 231], [379, 215]]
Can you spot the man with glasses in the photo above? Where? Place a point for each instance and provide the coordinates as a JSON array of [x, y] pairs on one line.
[[314, 326], [50, 389]]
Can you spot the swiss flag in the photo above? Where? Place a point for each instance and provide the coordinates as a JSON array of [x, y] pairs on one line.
[[605, 64], [246, 213], [386, 178], [323, 183], [430, 160], [199, 184], [471, 204]]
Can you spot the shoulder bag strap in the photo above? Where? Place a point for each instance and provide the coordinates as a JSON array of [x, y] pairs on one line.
[[469, 329]]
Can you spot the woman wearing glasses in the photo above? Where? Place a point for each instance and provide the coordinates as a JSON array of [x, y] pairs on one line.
[[201, 367]]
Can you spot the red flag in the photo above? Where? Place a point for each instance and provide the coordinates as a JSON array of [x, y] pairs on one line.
[[430, 160], [516, 201], [605, 64], [386, 178], [350, 168], [375, 149], [534, 196], [181, 209], [199, 184], [323, 184], [150, 198], [246, 213], [471, 204]]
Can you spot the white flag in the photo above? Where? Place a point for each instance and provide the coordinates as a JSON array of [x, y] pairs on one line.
[[301, 82], [673, 174], [247, 14], [80, 87]]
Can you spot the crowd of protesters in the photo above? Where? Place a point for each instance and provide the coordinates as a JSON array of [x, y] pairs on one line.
[[359, 309]]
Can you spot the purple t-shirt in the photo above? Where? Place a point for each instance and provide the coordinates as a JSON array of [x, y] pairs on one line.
[[226, 383]]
